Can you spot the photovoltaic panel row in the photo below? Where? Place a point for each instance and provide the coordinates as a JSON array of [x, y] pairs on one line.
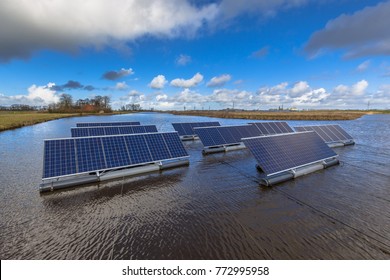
[[87, 124], [71, 156], [111, 130], [225, 135], [269, 128], [328, 133], [187, 129], [283, 152]]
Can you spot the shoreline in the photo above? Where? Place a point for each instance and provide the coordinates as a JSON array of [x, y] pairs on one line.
[[322, 115], [16, 119]]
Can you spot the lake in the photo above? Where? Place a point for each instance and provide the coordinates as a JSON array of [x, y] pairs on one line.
[[214, 208]]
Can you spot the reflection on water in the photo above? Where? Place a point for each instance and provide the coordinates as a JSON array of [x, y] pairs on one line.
[[212, 209]]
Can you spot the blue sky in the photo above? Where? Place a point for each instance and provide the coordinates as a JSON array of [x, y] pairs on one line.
[[204, 54]]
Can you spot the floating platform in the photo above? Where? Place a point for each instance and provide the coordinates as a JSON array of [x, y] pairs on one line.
[[222, 149], [295, 173], [189, 137], [67, 182]]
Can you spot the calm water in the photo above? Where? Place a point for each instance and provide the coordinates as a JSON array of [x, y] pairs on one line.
[[212, 209]]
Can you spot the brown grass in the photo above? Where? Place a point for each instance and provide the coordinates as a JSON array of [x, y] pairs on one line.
[[15, 119], [279, 115]]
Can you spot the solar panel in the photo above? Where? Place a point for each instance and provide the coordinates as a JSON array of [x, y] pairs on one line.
[[187, 129], [111, 130], [269, 128], [225, 135], [87, 124], [282, 152], [328, 133], [72, 156]]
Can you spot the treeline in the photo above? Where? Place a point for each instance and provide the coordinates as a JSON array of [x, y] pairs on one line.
[[131, 107], [66, 104]]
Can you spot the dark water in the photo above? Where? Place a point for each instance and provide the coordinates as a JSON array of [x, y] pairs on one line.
[[213, 209]]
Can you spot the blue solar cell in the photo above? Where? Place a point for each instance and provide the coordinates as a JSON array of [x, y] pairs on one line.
[[205, 136], [111, 130], [138, 149], [225, 132], [125, 129], [283, 152], [179, 128], [328, 133], [157, 147], [96, 131], [187, 129], [269, 128], [139, 129], [115, 152], [90, 155], [338, 128], [59, 158], [150, 128], [174, 144], [88, 124], [77, 132]]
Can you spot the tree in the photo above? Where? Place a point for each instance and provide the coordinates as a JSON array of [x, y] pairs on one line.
[[66, 101]]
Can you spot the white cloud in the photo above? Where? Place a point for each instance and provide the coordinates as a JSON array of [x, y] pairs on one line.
[[66, 25], [363, 66], [161, 97], [299, 89], [158, 82], [183, 60], [356, 90], [121, 86], [189, 96], [219, 80], [228, 96], [36, 96], [364, 33], [195, 80]]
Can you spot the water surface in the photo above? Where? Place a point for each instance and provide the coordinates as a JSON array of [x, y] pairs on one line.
[[212, 209]]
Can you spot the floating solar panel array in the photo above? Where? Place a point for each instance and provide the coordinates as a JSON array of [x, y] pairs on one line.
[[269, 128], [87, 124], [333, 135], [225, 137], [285, 156], [186, 130], [111, 130], [75, 156]]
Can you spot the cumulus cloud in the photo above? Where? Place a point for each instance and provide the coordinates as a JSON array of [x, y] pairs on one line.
[[219, 80], [183, 60], [158, 82], [66, 25], [114, 75], [356, 90], [161, 97], [364, 33], [121, 86], [36, 96], [195, 80]]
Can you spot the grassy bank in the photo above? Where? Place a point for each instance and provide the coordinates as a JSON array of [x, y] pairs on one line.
[[15, 119], [281, 115]]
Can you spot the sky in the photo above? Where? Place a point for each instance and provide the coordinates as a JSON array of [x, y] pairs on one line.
[[176, 54]]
